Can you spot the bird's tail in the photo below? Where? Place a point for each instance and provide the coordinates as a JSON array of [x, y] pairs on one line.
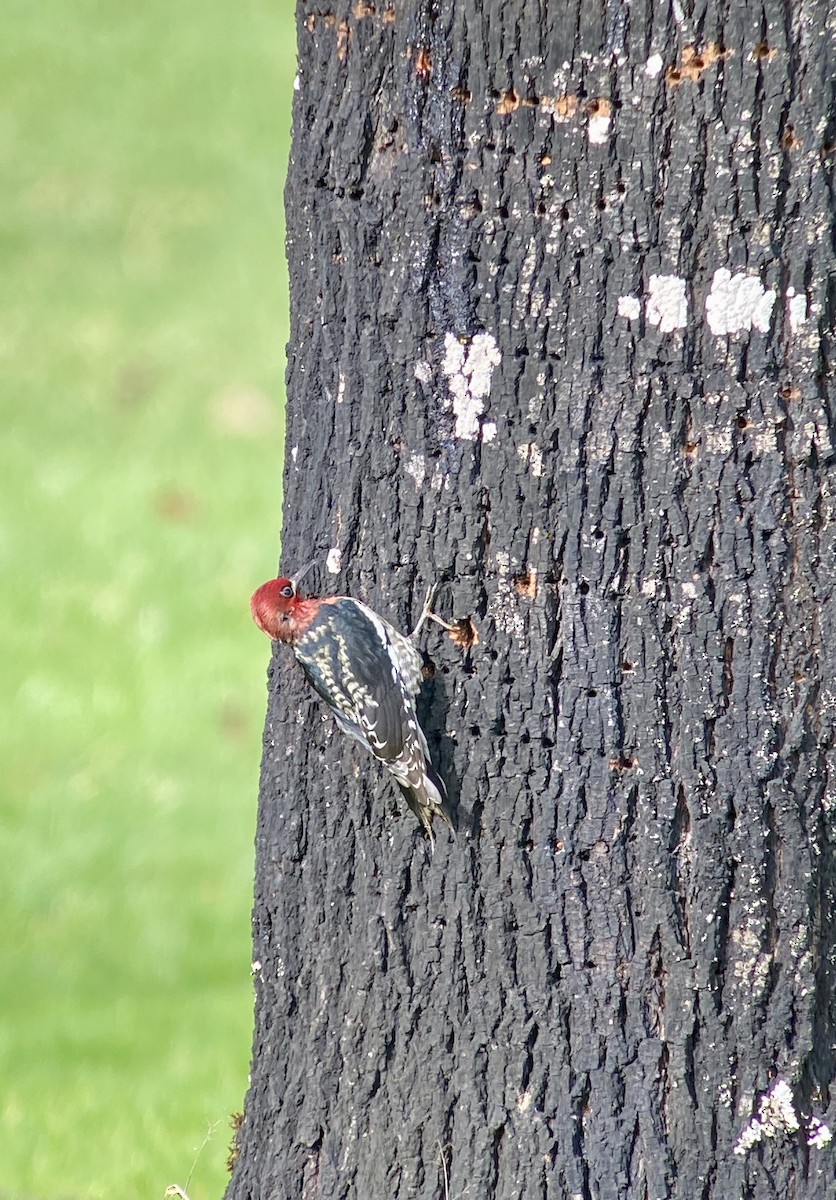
[[428, 799]]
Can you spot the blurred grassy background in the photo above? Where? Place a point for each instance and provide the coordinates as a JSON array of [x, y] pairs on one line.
[[142, 325]]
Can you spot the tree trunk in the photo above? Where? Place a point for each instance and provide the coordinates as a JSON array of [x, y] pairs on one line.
[[562, 303]]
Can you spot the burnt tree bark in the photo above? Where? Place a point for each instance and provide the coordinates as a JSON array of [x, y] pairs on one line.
[[562, 283]]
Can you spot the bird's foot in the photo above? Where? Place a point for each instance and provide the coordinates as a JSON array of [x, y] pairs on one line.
[[427, 613]]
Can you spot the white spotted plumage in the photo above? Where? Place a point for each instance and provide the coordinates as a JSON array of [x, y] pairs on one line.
[[369, 673]]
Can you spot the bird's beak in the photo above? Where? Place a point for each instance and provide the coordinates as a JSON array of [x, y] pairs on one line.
[[300, 575]]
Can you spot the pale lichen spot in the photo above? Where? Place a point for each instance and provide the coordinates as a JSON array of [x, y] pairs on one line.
[[469, 370], [653, 66], [423, 372], [737, 303], [717, 441], [818, 1134], [667, 304], [416, 467], [489, 431], [599, 128], [341, 388], [776, 1117], [334, 560], [531, 454], [629, 307], [797, 309]]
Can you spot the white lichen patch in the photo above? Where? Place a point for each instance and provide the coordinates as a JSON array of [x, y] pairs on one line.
[[341, 388], [416, 467], [423, 372], [667, 304], [776, 1118], [629, 307], [504, 605], [818, 1134], [654, 65], [599, 128], [531, 454], [469, 370], [796, 309], [489, 431], [334, 560], [737, 303], [717, 441], [765, 440]]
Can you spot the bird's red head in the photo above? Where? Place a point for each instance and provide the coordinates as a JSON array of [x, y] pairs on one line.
[[279, 609]]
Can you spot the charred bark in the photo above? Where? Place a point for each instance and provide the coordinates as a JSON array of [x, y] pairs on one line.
[[562, 308]]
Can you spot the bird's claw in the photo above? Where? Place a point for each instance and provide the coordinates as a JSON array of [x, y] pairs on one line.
[[427, 613]]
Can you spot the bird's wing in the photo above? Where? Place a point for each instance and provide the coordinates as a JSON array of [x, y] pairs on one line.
[[360, 669]]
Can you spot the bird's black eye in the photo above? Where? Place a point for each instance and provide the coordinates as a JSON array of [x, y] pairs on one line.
[[288, 590]]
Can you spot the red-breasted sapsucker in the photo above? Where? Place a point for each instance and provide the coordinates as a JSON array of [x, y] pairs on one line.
[[367, 673]]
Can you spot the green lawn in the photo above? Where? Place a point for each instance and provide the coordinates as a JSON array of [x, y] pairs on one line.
[[142, 321]]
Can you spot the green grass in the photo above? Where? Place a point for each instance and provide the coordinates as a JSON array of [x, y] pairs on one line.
[[142, 320]]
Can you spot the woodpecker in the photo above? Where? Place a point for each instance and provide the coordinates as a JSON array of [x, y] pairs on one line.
[[367, 673]]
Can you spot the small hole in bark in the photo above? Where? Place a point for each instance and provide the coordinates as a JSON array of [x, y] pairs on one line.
[[525, 738], [508, 103], [623, 762], [592, 693], [621, 187], [601, 205], [558, 845], [762, 51], [788, 139], [475, 731], [547, 743], [423, 63], [627, 666], [597, 534], [674, 75], [742, 422], [828, 147], [529, 845], [525, 584], [503, 212], [583, 588], [658, 203], [465, 634], [788, 392], [541, 209], [490, 145], [564, 213]]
